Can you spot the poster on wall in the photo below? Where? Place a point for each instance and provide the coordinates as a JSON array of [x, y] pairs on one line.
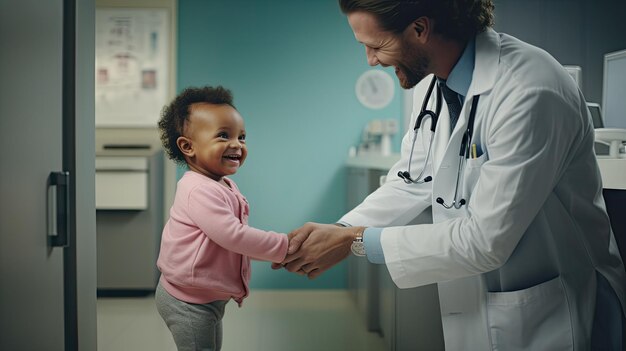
[[131, 66]]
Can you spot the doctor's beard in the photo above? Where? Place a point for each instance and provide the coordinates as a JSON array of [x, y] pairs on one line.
[[411, 74]]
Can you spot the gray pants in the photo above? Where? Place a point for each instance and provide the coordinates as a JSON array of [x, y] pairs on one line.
[[195, 327]]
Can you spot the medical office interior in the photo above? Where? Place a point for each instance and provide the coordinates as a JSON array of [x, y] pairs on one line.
[[322, 129]]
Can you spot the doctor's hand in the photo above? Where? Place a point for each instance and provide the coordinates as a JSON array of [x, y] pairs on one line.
[[315, 247], [300, 236]]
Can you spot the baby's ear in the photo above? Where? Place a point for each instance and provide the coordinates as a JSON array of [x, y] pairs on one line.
[[185, 146]]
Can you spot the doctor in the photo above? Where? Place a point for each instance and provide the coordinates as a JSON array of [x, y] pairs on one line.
[[521, 245]]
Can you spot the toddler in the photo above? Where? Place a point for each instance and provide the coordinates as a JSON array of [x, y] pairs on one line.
[[207, 244]]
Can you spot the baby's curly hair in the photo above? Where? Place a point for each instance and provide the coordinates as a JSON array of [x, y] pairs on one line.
[[175, 114]]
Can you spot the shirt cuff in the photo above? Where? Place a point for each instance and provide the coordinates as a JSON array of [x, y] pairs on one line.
[[373, 247]]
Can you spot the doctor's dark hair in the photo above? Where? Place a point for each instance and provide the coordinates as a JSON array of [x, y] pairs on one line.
[[458, 20], [174, 115]]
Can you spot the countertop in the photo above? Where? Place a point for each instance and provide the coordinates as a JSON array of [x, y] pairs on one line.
[[613, 171], [373, 161]]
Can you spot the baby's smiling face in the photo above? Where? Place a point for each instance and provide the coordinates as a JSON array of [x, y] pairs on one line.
[[214, 140]]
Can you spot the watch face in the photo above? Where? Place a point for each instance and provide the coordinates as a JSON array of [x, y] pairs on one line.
[[358, 248]]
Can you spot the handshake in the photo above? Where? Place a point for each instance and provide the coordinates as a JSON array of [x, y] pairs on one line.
[[315, 247]]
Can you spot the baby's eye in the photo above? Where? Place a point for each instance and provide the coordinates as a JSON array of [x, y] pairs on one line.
[[222, 135], [242, 137]]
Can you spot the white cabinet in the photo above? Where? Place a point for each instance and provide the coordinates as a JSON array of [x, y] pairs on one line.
[[121, 183], [129, 222]]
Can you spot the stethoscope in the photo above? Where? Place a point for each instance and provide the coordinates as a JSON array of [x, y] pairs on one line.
[[463, 152]]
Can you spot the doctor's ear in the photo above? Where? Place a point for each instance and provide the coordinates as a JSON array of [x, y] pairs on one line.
[[421, 26], [185, 146]]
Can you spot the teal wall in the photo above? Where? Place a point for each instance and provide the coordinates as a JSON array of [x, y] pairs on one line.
[[292, 66]]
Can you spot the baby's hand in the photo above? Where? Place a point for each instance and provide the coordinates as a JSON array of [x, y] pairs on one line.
[[292, 248]]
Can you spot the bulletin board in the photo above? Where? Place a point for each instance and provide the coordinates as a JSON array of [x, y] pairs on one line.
[[132, 75]]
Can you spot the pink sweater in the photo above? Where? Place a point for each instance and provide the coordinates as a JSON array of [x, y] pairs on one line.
[[207, 245]]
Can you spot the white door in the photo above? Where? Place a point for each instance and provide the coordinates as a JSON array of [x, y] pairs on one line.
[[39, 290]]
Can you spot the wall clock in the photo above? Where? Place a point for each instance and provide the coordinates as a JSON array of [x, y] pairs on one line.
[[375, 89]]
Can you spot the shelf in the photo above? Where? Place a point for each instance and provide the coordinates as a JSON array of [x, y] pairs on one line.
[[377, 162]]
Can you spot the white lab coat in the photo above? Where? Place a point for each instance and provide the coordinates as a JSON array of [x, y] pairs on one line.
[[517, 265]]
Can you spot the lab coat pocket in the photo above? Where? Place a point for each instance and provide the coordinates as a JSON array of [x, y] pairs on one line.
[[471, 174], [536, 318]]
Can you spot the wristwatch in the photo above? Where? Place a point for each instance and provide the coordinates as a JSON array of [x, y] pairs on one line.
[[358, 247]]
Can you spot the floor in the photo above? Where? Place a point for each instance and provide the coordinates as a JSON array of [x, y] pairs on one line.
[[276, 320]]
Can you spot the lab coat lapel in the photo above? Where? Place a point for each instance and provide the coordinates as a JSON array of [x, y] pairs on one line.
[[446, 146], [483, 79], [448, 161], [442, 137]]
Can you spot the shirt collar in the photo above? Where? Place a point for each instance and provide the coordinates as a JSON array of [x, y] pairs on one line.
[[460, 77]]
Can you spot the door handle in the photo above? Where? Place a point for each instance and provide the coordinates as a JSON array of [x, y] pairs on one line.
[[58, 209]]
